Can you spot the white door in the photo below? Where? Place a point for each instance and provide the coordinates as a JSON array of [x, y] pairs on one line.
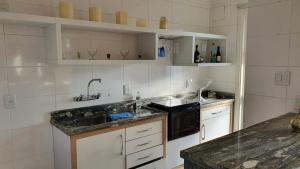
[[214, 128], [103, 151]]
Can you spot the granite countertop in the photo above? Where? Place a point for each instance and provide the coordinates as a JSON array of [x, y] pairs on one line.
[[271, 144], [86, 119], [215, 102]]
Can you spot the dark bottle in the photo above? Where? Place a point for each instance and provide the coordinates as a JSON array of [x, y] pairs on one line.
[[197, 55], [219, 56]]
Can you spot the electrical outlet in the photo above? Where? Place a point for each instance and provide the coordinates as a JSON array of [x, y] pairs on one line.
[[10, 101], [282, 78]]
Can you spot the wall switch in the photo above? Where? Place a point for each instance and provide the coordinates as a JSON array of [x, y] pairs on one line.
[[10, 101], [283, 78]]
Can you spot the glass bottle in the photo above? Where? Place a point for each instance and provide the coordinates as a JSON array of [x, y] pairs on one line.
[[197, 55], [213, 53]]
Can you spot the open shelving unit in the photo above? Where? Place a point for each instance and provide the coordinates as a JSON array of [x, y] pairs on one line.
[[111, 39]]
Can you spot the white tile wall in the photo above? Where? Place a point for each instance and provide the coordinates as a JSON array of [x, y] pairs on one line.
[[294, 59], [269, 19], [2, 52], [273, 45], [136, 8], [223, 21], [294, 90], [158, 8], [25, 134], [273, 49], [260, 81], [296, 16], [260, 108], [25, 51]]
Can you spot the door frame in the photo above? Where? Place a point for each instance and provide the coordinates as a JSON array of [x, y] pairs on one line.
[[242, 19]]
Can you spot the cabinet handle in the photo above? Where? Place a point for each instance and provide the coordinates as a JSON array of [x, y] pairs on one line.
[[142, 158], [216, 112], [143, 144], [143, 131], [122, 147], [203, 129]]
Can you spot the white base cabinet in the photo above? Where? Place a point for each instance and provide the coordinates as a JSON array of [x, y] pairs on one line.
[[215, 127], [215, 122], [105, 151], [132, 145]]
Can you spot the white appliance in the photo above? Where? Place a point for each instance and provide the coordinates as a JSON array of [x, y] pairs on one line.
[[175, 146]]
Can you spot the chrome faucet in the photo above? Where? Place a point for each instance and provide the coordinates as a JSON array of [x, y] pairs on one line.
[[201, 99], [88, 96], [89, 84]]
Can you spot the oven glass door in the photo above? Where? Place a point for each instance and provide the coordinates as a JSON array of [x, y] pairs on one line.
[[183, 122]]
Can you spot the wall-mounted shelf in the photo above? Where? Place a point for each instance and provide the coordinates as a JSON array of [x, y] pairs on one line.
[[213, 64], [147, 40]]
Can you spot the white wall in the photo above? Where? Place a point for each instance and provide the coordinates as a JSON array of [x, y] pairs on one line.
[[223, 21], [272, 45], [25, 133]]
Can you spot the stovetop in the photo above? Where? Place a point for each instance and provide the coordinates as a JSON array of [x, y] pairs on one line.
[[173, 102]]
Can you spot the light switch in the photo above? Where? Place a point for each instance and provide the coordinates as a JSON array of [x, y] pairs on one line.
[[282, 78], [10, 101]]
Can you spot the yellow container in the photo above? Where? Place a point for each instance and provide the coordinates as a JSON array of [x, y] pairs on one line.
[[121, 18], [163, 23], [141, 23], [66, 10], [95, 14]]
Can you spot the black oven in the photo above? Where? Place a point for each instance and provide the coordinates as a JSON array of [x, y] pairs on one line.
[[183, 120]]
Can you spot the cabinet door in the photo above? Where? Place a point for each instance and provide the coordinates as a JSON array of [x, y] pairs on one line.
[[214, 128], [103, 151]]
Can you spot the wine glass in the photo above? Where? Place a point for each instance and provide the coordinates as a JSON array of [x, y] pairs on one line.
[[124, 53], [92, 53]]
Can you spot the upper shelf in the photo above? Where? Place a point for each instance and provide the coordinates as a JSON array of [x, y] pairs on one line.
[[150, 37], [213, 64], [18, 18]]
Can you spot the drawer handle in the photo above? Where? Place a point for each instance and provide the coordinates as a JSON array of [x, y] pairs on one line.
[[142, 158], [143, 131], [216, 113], [143, 144], [122, 148], [203, 131]]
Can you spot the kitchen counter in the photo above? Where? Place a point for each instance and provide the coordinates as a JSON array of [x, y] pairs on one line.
[[86, 119], [271, 144], [215, 102]]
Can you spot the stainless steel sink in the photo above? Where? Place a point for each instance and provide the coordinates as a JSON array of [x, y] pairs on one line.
[[192, 95]]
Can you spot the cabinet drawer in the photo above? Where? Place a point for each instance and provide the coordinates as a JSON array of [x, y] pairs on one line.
[[214, 112], [144, 156], [143, 143], [160, 164], [143, 130]]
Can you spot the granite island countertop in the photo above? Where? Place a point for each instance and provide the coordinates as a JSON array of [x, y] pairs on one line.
[[269, 145]]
